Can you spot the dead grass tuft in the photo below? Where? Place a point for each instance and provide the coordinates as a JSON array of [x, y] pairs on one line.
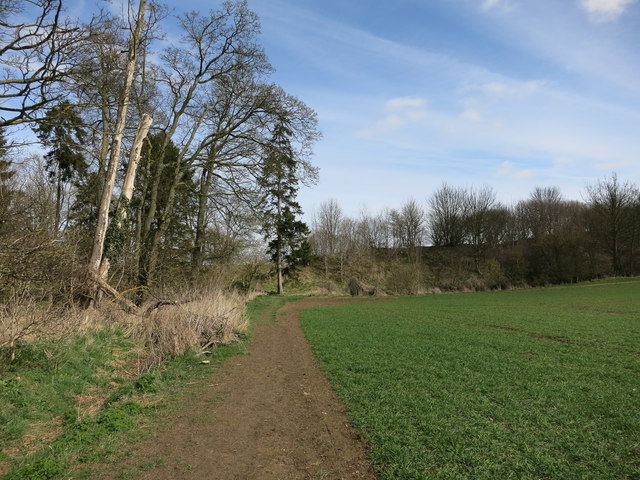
[[203, 321], [87, 405], [23, 319]]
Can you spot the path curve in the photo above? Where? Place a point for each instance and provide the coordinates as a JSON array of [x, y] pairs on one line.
[[271, 415]]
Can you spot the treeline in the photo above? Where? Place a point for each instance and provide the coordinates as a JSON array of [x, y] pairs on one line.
[[463, 238], [158, 155]]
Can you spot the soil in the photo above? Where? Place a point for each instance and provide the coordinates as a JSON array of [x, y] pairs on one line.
[[270, 415]]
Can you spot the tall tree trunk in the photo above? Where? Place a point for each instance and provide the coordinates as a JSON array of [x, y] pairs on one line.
[[152, 245], [279, 248], [155, 186], [122, 210], [104, 150], [58, 214], [116, 144], [149, 269], [198, 244], [137, 261], [134, 160]]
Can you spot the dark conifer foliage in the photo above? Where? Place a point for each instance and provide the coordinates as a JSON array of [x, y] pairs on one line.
[[287, 235], [62, 131]]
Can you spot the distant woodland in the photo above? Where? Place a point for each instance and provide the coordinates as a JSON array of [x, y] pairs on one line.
[[462, 238]]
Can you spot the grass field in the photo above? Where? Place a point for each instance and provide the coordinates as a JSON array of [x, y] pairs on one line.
[[523, 384]]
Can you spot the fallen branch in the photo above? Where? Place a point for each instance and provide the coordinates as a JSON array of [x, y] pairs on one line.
[[159, 304], [117, 297]]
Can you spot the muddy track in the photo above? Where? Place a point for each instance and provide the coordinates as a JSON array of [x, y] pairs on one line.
[[270, 415]]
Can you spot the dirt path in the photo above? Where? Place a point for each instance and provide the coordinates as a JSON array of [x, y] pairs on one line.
[[271, 415]]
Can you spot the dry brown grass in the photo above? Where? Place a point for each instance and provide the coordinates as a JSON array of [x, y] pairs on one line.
[[199, 321], [23, 319], [203, 321]]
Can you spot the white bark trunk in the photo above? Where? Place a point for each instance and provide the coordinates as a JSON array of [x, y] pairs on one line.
[[127, 188], [116, 144], [134, 158]]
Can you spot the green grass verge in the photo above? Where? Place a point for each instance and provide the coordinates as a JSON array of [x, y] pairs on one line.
[[42, 396], [523, 384]]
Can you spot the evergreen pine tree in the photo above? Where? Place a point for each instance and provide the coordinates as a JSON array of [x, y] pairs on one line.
[[62, 130], [287, 235]]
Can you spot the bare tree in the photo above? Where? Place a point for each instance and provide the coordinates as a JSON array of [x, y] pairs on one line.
[[213, 47], [447, 216], [236, 124], [326, 229], [612, 204], [98, 86], [542, 211], [35, 57], [478, 206], [413, 219], [380, 231], [346, 243]]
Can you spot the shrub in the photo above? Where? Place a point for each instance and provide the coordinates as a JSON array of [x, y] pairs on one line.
[[405, 279], [23, 318], [359, 289]]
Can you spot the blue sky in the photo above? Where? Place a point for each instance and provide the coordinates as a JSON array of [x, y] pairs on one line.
[[511, 94], [413, 93]]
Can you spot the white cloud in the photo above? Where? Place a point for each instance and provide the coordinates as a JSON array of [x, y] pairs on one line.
[[605, 10], [510, 89], [560, 162], [538, 125], [505, 169], [489, 4], [471, 115], [508, 169], [524, 174], [614, 165], [402, 111], [405, 102], [555, 31]]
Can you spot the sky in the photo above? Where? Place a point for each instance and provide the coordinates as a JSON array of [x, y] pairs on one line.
[[510, 94]]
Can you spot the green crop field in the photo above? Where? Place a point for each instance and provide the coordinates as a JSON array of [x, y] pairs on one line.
[[523, 384]]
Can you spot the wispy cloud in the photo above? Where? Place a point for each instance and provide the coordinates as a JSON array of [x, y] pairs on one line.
[[472, 115], [489, 4], [614, 165], [486, 118], [508, 169], [505, 88], [605, 10], [404, 103], [561, 162], [401, 112]]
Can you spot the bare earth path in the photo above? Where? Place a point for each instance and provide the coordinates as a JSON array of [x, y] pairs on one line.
[[271, 415]]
